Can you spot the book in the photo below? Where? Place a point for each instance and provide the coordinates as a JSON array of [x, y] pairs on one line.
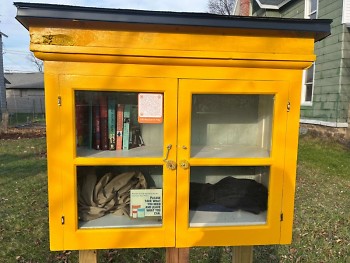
[[111, 124], [126, 126], [104, 121], [135, 129], [81, 122], [90, 122], [96, 127], [120, 124], [136, 140]]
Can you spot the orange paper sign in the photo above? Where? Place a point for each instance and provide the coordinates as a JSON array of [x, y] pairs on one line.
[[150, 108]]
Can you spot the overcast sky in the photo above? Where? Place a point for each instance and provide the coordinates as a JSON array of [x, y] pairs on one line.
[[16, 45]]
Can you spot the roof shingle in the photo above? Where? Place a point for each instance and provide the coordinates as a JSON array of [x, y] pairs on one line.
[[25, 80]]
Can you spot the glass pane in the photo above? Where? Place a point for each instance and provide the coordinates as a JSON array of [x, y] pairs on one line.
[[231, 125], [107, 125], [228, 196], [119, 196], [313, 5], [308, 92], [310, 74]]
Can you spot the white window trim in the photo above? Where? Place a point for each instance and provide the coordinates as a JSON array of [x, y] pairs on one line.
[[303, 92], [303, 89], [346, 13], [307, 14]]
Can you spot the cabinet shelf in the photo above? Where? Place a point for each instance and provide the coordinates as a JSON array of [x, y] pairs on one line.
[[144, 151], [229, 151], [114, 221], [219, 151], [237, 218]]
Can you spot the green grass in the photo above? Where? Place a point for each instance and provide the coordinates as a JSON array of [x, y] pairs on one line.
[[321, 231], [25, 118], [321, 226]]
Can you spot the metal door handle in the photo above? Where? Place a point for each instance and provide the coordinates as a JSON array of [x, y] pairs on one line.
[[171, 165], [167, 152]]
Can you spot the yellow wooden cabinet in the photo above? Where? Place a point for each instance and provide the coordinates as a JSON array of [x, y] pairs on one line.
[[216, 143]]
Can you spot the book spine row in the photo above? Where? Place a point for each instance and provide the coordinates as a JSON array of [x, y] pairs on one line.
[[103, 124]]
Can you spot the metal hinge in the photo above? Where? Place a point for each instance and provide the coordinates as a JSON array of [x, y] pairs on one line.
[[62, 220], [59, 101], [281, 217], [288, 106]]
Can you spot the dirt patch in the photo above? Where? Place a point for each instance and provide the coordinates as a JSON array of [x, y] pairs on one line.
[[15, 133], [340, 135]]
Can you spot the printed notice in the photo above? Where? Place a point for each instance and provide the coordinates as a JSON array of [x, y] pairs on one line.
[[145, 202], [150, 108]]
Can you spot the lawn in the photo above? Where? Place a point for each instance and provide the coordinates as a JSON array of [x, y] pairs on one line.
[[321, 226], [19, 119]]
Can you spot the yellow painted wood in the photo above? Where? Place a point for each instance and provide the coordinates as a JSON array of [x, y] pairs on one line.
[[112, 238], [201, 62], [176, 61], [212, 72], [230, 161], [117, 161], [232, 235], [50, 39], [289, 184], [54, 160]]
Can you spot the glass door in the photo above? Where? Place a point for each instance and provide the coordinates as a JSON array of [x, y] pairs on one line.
[[119, 186], [231, 148]]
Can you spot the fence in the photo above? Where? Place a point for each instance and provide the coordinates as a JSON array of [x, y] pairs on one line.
[[25, 106]]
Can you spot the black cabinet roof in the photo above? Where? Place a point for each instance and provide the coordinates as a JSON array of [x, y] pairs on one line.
[[26, 12]]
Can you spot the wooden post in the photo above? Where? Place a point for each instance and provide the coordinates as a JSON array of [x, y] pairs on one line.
[[87, 256], [177, 255], [242, 254]]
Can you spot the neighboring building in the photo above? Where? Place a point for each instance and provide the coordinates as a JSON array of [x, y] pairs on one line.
[[2, 80], [25, 93], [326, 85]]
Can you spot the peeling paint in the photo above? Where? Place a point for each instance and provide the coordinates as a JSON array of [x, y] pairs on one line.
[[57, 39]]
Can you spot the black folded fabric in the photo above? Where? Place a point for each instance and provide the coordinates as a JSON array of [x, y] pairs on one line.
[[201, 194], [229, 194]]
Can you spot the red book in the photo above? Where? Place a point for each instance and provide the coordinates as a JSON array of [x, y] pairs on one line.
[[120, 123], [104, 122], [81, 122], [96, 133]]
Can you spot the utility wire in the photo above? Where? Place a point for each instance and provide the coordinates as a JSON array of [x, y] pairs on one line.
[[15, 64], [14, 51]]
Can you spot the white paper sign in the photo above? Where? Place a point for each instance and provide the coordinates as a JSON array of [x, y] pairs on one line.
[[145, 202]]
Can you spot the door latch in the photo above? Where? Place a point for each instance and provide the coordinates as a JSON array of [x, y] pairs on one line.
[[184, 164], [171, 165]]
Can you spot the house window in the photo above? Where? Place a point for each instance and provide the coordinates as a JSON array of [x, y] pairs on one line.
[[308, 86], [311, 8]]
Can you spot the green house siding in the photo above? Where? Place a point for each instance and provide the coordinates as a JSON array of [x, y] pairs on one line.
[[294, 9], [326, 98], [331, 95]]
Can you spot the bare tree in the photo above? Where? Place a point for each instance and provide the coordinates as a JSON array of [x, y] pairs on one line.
[[221, 7], [37, 62]]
